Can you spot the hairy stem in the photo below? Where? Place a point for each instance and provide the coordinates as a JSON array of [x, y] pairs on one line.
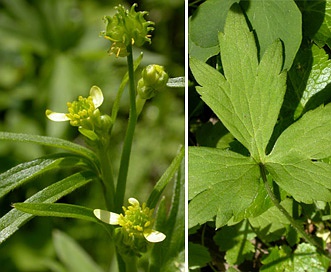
[[294, 224], [125, 159]]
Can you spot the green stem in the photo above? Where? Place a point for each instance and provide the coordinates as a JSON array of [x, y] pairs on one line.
[[107, 178], [125, 159], [294, 224]]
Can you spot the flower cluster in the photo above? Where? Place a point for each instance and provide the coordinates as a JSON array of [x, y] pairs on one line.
[[153, 79], [84, 113], [127, 27], [135, 227]]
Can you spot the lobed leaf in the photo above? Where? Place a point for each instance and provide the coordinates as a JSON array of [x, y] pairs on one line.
[[14, 219], [26, 171], [57, 210], [309, 136], [247, 99], [222, 184]]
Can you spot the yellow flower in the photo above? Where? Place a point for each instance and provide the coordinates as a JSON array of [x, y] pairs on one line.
[[137, 221], [82, 111]]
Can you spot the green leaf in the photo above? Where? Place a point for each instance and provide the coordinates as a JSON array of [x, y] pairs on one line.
[[235, 240], [316, 20], [292, 162], [222, 184], [247, 99], [26, 171], [58, 210], [14, 219], [198, 256], [274, 19], [310, 136], [307, 259], [50, 141], [309, 80], [278, 260], [165, 179], [204, 25], [271, 225], [166, 256], [73, 255]]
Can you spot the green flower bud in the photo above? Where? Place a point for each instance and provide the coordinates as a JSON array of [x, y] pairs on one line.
[[125, 28], [153, 79]]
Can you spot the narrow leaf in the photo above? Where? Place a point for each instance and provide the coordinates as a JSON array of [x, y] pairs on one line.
[[14, 219], [50, 141], [57, 210], [213, 174], [165, 179], [73, 255], [26, 171]]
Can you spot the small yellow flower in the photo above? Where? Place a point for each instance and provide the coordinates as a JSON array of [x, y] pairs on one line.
[[136, 222], [81, 111]]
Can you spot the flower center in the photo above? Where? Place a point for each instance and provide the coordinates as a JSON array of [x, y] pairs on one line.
[[81, 111], [136, 218]]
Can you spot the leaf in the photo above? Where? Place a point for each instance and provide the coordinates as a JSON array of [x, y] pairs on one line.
[[271, 225], [222, 184], [247, 99], [292, 162], [316, 20], [307, 259], [52, 142], [72, 254], [204, 25], [235, 240], [58, 210], [165, 179], [278, 260], [309, 136], [14, 219], [309, 80], [274, 19], [198, 256], [166, 256], [26, 171]]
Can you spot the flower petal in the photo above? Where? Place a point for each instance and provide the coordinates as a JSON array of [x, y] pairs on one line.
[[97, 96], [57, 116], [154, 236], [133, 201], [107, 217]]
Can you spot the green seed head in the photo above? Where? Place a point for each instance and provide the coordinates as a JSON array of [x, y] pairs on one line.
[[127, 27]]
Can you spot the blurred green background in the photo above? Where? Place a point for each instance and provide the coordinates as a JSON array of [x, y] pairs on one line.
[[51, 52]]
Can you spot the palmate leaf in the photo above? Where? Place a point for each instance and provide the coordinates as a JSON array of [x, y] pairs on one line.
[[247, 99]]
